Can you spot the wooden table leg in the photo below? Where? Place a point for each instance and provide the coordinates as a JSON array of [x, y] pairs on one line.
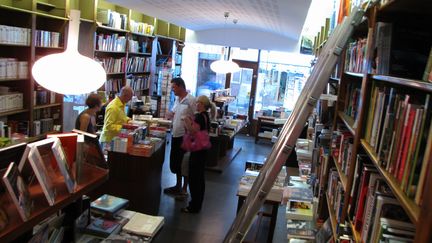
[[273, 218]]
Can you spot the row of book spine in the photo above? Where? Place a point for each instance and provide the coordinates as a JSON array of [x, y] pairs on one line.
[[335, 193], [112, 19], [113, 85], [49, 112], [137, 46], [138, 64], [43, 126], [11, 68], [352, 100], [47, 38], [15, 35], [354, 56], [113, 42], [372, 202], [142, 28], [342, 147], [44, 97], [398, 130], [139, 83], [8, 128], [112, 65]]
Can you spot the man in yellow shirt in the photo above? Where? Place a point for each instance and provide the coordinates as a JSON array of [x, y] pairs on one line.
[[115, 115]]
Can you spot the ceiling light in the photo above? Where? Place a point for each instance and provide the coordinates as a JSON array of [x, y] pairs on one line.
[[69, 72], [224, 66]]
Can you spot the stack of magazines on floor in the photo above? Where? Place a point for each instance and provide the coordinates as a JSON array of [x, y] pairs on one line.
[[107, 220]]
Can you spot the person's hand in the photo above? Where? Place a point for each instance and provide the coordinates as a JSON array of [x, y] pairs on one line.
[[169, 115]]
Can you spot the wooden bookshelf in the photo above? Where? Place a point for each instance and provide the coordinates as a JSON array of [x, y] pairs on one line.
[[47, 106], [13, 79], [13, 112], [111, 52], [412, 209], [357, 75], [411, 83], [342, 176], [348, 121], [332, 217], [92, 177], [139, 54]]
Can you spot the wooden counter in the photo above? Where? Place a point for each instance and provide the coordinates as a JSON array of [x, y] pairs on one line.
[[137, 179]]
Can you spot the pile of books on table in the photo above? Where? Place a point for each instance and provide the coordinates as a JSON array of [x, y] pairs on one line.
[[109, 221]]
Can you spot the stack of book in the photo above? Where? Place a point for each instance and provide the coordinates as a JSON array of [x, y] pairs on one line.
[[249, 177], [112, 19], [14, 35]]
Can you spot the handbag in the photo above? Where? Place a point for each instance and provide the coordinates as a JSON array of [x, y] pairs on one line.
[[200, 140]]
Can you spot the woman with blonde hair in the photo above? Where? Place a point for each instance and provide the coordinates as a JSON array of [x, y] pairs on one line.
[[197, 162]]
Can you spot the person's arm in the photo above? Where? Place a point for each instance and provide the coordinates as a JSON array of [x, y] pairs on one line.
[[84, 122]]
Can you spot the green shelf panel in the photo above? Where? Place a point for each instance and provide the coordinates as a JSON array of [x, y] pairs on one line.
[[162, 28]]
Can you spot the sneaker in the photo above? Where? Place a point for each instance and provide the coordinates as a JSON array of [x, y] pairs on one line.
[[182, 196], [172, 190]]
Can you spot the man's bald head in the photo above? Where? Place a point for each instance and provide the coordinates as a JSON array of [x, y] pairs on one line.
[[126, 94]]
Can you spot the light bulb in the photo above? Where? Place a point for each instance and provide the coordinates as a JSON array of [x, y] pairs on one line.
[[223, 66], [69, 72]]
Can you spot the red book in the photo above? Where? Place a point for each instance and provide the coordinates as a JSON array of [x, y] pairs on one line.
[[361, 200], [69, 144], [405, 140]]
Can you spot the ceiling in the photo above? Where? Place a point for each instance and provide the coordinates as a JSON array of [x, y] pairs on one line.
[[284, 18]]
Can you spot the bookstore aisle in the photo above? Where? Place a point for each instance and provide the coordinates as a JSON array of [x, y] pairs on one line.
[[220, 203]]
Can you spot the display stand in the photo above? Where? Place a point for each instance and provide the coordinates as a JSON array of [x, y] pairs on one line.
[[136, 178], [92, 177]]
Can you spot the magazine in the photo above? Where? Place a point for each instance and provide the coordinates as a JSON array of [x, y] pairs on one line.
[[63, 165]]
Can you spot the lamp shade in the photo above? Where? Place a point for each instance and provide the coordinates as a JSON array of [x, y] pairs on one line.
[[69, 72], [223, 66]]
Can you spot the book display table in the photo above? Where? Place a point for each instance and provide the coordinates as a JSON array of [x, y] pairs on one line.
[[137, 179], [265, 126], [222, 152]]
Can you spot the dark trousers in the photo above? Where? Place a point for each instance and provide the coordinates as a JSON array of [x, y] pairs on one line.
[[176, 155], [196, 179]]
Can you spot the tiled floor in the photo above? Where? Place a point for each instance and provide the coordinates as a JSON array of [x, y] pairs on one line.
[[220, 201]]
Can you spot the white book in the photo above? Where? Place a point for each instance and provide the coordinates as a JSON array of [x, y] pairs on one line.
[[143, 224]]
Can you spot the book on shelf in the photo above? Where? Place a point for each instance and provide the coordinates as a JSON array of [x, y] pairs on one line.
[[18, 190], [368, 174], [392, 230], [63, 165], [143, 224], [427, 75], [41, 158], [109, 204]]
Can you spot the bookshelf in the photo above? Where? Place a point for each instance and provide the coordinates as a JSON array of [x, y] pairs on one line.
[[369, 83], [38, 32]]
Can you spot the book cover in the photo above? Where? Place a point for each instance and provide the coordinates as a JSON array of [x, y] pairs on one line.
[[69, 144], [371, 113], [424, 168], [18, 191], [40, 158], [143, 224], [102, 227], [63, 165], [109, 204]]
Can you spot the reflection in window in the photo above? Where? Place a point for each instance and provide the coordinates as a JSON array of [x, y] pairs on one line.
[[240, 85]]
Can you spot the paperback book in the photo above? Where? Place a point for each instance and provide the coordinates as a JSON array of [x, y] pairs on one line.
[[143, 224]]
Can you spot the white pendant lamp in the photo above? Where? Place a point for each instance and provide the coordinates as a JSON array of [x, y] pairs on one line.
[[223, 66], [69, 72]]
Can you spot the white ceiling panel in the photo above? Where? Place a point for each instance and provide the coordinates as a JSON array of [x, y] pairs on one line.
[[281, 17]]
